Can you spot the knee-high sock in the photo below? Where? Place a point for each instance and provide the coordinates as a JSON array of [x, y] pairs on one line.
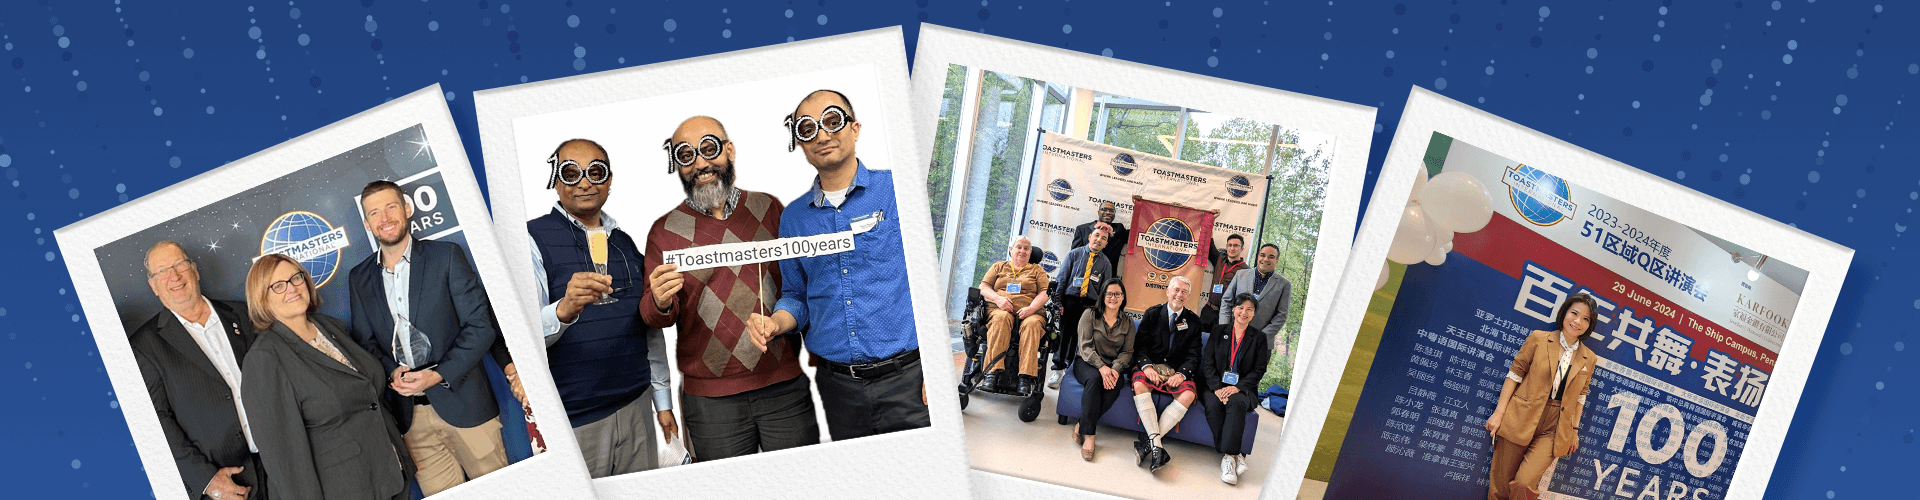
[[1143, 402], [1170, 418]]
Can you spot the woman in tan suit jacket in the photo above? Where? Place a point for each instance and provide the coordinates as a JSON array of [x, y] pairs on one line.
[[1540, 405]]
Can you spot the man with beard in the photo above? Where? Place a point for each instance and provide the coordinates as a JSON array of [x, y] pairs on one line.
[[608, 365], [190, 356], [853, 306], [1274, 291], [1117, 235], [738, 399], [419, 309], [1077, 286]]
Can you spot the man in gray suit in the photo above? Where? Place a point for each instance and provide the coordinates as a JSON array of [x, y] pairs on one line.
[[1274, 291]]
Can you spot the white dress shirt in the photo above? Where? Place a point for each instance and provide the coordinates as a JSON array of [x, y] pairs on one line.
[[218, 349]]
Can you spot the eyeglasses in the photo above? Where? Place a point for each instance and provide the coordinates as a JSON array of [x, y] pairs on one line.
[[569, 172], [684, 154], [1116, 295], [1106, 210], [177, 268], [298, 278], [805, 128]]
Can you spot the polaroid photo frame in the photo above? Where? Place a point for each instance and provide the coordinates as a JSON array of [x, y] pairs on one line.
[[750, 92], [420, 116], [1349, 128], [1708, 226]]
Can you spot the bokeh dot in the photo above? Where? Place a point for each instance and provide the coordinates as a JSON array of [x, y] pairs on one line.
[[157, 111], [1066, 28], [1813, 176], [1846, 348], [574, 21], [1213, 61], [76, 463], [450, 96], [670, 25], [1440, 84], [431, 26], [821, 20], [304, 40], [187, 53]]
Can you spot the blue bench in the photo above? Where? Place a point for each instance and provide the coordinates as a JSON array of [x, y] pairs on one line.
[[1193, 427]]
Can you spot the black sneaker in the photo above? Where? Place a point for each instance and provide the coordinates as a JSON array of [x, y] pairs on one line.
[[1141, 450]]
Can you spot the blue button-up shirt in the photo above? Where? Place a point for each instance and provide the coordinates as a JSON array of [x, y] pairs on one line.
[[854, 306]]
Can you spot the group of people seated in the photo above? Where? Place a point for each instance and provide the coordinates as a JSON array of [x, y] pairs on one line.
[[1161, 353], [329, 409]]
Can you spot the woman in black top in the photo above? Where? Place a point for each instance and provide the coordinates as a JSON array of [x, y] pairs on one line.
[[1231, 364], [313, 396]]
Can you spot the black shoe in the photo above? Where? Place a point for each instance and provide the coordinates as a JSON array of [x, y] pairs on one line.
[[991, 380], [1141, 450], [1160, 459], [1028, 384]]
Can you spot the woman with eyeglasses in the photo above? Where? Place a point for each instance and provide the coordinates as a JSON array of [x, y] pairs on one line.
[[313, 398], [1106, 348], [1232, 363]]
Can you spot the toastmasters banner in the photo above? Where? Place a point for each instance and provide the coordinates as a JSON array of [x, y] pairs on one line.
[[1072, 177], [1167, 240], [1686, 337]]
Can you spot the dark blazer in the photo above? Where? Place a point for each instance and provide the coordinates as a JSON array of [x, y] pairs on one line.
[[194, 403], [447, 303], [318, 423], [1164, 341], [1115, 242], [1536, 363], [1256, 349]]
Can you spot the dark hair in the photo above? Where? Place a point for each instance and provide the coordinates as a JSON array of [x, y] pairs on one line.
[[381, 185], [1245, 297], [1276, 249], [1593, 307], [1100, 305], [1243, 241]]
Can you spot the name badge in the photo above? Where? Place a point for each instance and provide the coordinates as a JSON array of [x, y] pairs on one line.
[[1230, 378], [1181, 326], [1219, 288], [867, 222], [1013, 287]]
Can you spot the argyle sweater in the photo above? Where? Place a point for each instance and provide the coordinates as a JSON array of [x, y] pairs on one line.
[[710, 311]]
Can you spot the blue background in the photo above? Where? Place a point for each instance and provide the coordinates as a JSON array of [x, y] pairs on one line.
[[102, 102]]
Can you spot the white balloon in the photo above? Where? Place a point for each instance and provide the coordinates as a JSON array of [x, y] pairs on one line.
[[1458, 201], [1419, 183], [1438, 257], [1382, 280], [1441, 235], [1413, 239]]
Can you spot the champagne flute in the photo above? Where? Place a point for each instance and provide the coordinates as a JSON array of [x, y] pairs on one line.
[[597, 249]]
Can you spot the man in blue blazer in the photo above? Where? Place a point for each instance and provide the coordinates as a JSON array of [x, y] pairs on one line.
[[446, 412]]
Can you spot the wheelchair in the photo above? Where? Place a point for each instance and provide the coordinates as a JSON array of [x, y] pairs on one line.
[[972, 379]]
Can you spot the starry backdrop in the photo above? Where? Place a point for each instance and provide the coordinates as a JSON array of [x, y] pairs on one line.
[[1793, 109]]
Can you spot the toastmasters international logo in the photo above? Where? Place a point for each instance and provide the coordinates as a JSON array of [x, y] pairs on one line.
[[307, 238], [1060, 190], [1049, 261], [1239, 186], [1541, 198], [1123, 164], [1168, 243]]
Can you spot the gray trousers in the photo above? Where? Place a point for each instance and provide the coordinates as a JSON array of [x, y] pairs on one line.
[[623, 442], [775, 417]]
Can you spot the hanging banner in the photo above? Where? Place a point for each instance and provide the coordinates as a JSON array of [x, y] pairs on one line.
[[1686, 333], [1168, 240], [1073, 177]]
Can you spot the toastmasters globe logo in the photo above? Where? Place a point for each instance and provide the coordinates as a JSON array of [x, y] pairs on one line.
[[1060, 190], [1123, 164], [1049, 261], [1239, 186], [307, 238], [1540, 197], [1168, 243]]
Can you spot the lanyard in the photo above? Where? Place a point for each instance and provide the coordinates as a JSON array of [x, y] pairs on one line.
[[1235, 353]]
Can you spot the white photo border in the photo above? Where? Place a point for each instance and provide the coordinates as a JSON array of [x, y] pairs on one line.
[[927, 463], [1350, 124], [1428, 112], [544, 475]]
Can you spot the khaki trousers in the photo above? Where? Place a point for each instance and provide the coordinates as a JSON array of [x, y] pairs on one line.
[[1000, 333], [447, 456], [1517, 469]]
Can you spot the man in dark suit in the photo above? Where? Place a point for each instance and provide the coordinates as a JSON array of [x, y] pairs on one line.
[[413, 289], [1117, 238], [190, 355], [1167, 351]]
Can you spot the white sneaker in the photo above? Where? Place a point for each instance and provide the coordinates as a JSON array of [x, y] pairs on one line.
[[1228, 474], [1240, 464], [1053, 380]]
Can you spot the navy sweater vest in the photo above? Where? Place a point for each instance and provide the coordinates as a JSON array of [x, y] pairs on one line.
[[600, 362]]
